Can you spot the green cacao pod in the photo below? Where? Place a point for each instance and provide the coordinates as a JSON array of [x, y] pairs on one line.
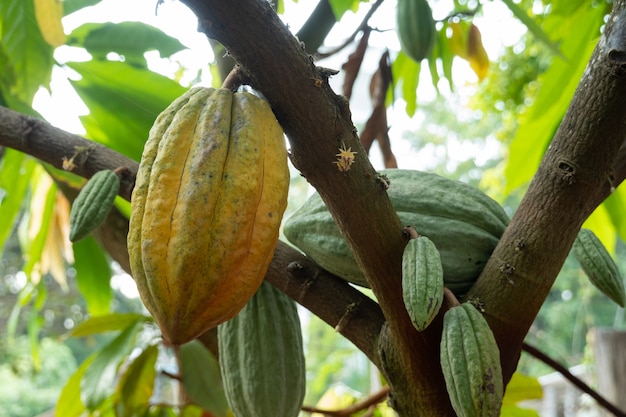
[[262, 357], [598, 265], [206, 209], [422, 281], [93, 203], [463, 223], [416, 28], [470, 360]]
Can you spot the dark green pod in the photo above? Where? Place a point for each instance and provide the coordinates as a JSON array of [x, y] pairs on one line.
[[422, 281], [598, 265], [93, 203]]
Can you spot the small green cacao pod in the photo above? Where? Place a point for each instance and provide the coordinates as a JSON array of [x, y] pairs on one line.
[[470, 360], [416, 28], [598, 265], [93, 203], [422, 281], [262, 358]]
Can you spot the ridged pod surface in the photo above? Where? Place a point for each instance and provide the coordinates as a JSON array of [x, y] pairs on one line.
[[416, 28], [598, 265], [470, 361], [93, 203], [463, 223], [422, 281], [262, 357], [206, 208]]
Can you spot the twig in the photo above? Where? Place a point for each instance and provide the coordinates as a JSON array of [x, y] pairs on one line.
[[577, 382], [366, 403]]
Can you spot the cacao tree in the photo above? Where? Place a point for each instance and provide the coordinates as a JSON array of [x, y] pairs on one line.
[[576, 164]]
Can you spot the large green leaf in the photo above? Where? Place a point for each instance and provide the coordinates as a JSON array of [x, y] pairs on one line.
[[123, 102], [28, 56], [201, 377], [15, 171], [341, 6], [579, 33], [70, 6], [98, 381], [136, 385], [129, 39], [92, 275], [532, 26], [406, 74], [107, 323], [69, 403]]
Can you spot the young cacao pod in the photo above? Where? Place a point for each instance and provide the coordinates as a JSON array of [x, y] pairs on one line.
[[262, 357], [422, 281], [463, 223], [416, 28], [598, 265], [206, 209], [93, 203], [470, 360]]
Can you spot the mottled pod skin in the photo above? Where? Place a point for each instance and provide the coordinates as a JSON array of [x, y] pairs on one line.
[[262, 357], [206, 209], [470, 360], [422, 281]]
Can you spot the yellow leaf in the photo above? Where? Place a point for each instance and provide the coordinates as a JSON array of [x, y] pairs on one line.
[[48, 14], [476, 54]]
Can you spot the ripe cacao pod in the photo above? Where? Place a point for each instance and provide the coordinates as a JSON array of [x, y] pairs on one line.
[[598, 265], [463, 223], [206, 209], [422, 281], [262, 357], [416, 28], [470, 360], [93, 203]]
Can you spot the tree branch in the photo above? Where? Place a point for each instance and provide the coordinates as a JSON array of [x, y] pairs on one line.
[[317, 123], [573, 179], [353, 314]]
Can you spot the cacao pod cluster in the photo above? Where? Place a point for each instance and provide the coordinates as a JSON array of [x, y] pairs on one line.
[[206, 209]]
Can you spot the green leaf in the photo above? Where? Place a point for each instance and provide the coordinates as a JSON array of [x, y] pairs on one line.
[[136, 385], [29, 57], [123, 102], [70, 6], [522, 388], [615, 206], [107, 323], [341, 6], [40, 216], [15, 173], [579, 33], [201, 377], [98, 382], [69, 403], [93, 275], [406, 73], [532, 26], [515, 411], [129, 39]]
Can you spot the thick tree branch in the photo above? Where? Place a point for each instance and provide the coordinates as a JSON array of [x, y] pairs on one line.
[[57, 147], [574, 177], [318, 123]]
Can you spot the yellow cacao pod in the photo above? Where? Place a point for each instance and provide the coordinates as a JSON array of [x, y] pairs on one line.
[[206, 209]]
